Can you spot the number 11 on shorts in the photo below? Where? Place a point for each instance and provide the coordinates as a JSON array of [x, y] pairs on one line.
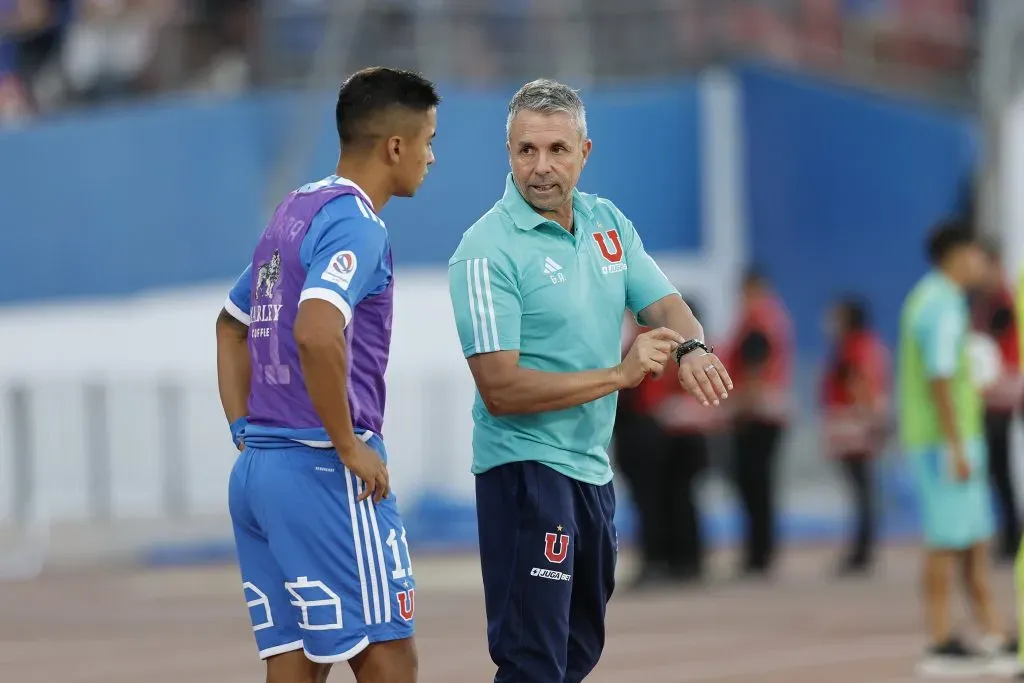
[[400, 571]]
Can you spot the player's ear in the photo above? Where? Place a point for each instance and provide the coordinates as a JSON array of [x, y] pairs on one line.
[[394, 148]]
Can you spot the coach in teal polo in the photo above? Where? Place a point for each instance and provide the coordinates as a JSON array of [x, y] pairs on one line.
[[539, 286], [521, 282]]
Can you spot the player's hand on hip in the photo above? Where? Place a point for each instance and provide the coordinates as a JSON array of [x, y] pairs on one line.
[[704, 376], [961, 468], [648, 355], [369, 467]]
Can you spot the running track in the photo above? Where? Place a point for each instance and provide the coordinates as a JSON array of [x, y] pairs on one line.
[[190, 626]]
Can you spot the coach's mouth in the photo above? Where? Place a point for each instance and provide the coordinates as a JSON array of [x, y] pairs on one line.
[[544, 188]]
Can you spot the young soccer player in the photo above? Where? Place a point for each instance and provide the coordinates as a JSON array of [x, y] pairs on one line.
[[302, 345], [941, 431]]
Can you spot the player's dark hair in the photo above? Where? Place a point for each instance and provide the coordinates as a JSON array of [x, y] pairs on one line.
[[754, 276], [370, 92], [856, 313], [949, 236]]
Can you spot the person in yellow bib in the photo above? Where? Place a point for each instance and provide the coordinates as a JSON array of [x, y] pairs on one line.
[[941, 432]]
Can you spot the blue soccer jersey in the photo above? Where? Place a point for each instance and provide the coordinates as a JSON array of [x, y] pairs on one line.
[[321, 571]]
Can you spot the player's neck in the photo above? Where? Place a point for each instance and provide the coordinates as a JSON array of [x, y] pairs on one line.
[[951, 275], [377, 188]]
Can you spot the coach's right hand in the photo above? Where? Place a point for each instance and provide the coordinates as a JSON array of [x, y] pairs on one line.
[[366, 463], [648, 355]]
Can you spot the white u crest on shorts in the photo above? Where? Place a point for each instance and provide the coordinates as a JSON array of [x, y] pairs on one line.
[[331, 600], [260, 601]]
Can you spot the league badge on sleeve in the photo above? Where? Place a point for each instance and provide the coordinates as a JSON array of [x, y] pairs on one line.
[[341, 269]]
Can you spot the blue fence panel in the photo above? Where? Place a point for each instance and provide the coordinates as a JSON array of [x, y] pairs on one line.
[[843, 187], [120, 201]]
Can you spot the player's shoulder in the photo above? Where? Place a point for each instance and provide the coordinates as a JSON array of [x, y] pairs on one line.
[[931, 300], [347, 218], [352, 210], [922, 292], [489, 237]]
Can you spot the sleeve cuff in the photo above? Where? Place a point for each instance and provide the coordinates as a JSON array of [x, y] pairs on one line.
[[472, 350], [331, 297], [643, 302], [237, 313]]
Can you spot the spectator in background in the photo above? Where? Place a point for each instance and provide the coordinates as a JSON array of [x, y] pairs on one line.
[[760, 351], [820, 27], [226, 36], [993, 315], [109, 45], [640, 453], [687, 426], [29, 35], [855, 397], [13, 102], [661, 449]]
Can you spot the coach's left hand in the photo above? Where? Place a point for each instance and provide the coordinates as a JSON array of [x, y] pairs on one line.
[[704, 376]]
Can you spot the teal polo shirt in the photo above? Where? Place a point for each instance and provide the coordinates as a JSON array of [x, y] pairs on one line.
[[519, 282]]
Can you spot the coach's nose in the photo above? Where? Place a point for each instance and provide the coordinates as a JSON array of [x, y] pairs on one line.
[[543, 165]]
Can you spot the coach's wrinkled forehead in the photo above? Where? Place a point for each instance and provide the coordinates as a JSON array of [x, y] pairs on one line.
[[545, 96]]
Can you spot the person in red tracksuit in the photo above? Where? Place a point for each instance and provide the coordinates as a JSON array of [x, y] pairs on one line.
[[993, 314], [640, 455], [688, 427], [760, 358], [661, 449], [855, 398]]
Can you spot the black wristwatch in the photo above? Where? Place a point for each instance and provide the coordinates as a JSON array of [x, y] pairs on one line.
[[688, 346]]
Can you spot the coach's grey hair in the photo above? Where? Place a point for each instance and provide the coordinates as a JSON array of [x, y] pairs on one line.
[[545, 96]]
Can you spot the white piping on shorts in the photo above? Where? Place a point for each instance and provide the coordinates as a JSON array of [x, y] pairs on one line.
[[281, 649], [341, 657]]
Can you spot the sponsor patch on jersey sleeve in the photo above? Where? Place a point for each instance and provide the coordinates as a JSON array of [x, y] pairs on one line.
[[341, 269]]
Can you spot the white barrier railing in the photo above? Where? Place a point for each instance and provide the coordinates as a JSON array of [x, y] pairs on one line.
[[100, 453]]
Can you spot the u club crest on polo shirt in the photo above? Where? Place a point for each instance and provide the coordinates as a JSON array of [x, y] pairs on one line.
[[610, 246]]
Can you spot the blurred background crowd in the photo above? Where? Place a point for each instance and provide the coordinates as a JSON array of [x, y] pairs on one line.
[[59, 54]]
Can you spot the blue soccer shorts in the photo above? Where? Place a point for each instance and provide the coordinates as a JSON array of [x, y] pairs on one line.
[[955, 515], [320, 571]]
